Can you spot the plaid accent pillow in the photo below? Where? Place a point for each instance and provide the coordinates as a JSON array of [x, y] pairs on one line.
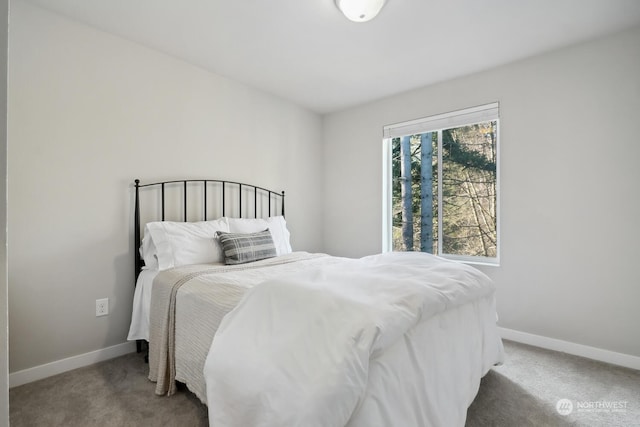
[[240, 248]]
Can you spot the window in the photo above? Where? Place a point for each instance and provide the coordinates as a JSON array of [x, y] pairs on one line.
[[441, 185]]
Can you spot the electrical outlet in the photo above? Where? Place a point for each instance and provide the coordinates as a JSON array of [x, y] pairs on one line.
[[102, 307]]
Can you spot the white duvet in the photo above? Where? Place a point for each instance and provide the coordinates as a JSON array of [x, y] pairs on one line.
[[332, 346]]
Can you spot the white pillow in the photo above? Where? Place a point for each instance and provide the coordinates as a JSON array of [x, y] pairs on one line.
[[276, 225], [183, 243]]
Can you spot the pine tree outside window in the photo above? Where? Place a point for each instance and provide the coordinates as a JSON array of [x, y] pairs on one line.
[[441, 185]]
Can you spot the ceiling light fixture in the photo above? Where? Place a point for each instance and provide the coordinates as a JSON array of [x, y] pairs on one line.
[[360, 10]]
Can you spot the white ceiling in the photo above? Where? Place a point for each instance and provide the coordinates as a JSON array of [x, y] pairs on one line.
[[307, 52]]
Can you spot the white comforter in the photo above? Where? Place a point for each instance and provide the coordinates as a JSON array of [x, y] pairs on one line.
[[297, 351]]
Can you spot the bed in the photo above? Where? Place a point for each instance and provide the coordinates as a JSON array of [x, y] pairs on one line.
[[267, 336]]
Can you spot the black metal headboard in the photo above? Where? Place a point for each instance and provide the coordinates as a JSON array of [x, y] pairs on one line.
[[274, 201]]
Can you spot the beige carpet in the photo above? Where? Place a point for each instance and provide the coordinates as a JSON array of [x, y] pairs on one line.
[[522, 392], [525, 391]]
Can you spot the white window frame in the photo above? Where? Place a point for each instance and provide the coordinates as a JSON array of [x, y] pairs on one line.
[[467, 116]]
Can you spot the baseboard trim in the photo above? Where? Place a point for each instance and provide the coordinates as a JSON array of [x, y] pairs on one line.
[[59, 366], [620, 359]]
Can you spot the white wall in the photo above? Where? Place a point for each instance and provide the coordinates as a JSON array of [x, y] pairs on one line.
[[569, 187], [88, 113], [4, 338]]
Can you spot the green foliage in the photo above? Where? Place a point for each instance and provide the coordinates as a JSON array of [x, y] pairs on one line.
[[468, 154]]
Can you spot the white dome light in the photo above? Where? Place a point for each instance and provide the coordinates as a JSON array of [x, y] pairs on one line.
[[360, 10]]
